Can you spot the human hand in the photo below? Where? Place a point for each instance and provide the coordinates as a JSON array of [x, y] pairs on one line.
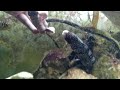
[[36, 24], [38, 18]]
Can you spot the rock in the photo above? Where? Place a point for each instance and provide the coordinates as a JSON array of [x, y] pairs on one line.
[[47, 73], [21, 75], [53, 65], [6, 60], [75, 73], [54, 56], [107, 67]]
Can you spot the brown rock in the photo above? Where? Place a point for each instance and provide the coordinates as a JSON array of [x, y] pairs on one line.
[[75, 73]]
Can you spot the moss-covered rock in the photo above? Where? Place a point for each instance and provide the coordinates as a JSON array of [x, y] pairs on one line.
[[107, 67], [6, 60], [54, 63]]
